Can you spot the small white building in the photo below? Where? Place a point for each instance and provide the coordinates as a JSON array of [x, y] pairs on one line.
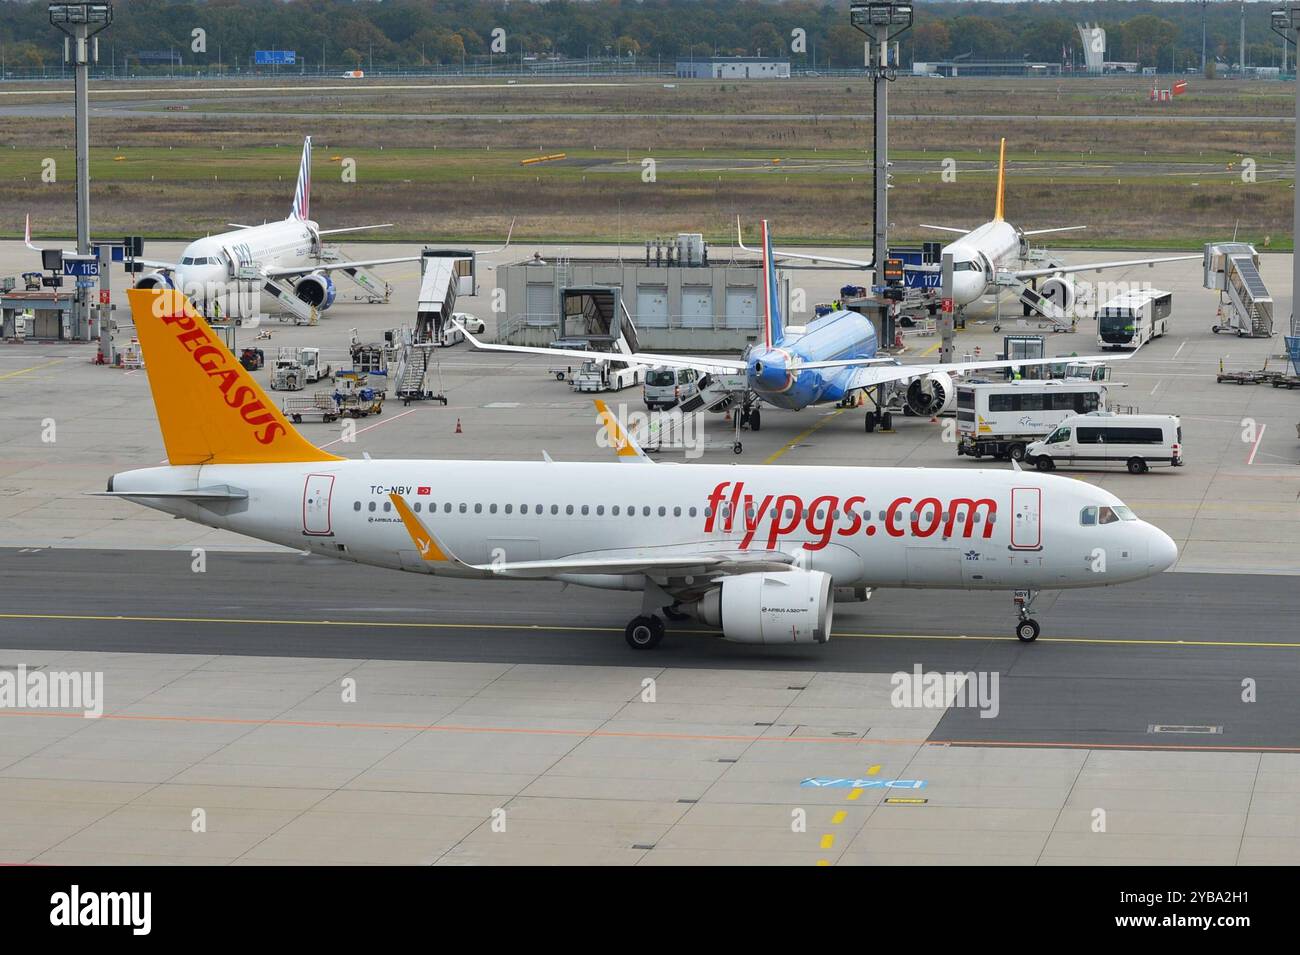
[[733, 68]]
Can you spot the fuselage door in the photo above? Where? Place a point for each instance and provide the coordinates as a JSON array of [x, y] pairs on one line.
[[1026, 518], [316, 494]]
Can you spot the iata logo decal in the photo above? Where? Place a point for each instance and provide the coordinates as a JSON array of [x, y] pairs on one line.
[[213, 361], [828, 516]]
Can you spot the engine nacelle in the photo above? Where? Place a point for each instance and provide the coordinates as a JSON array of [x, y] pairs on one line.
[[316, 289], [931, 395], [152, 280], [1062, 291], [789, 606]]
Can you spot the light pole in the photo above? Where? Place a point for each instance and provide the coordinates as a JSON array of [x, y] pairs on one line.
[[1285, 23], [882, 22], [79, 22]]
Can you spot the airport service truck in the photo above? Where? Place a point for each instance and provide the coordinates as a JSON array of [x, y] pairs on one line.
[[1000, 419]]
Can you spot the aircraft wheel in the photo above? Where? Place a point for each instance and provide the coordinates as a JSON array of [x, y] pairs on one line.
[[737, 448], [871, 421], [644, 633], [755, 420], [1027, 630], [887, 422]]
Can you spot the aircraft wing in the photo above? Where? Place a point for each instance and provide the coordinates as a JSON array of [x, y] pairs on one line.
[[356, 228], [852, 263], [1064, 228], [1099, 266], [698, 560], [872, 375], [156, 264], [717, 365], [945, 228], [330, 266]]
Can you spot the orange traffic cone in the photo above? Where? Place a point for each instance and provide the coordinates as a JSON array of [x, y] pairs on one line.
[[458, 428]]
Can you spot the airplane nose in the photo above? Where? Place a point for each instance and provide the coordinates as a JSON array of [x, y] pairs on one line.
[[1162, 549]]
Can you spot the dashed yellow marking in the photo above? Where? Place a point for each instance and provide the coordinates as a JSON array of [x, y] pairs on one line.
[[873, 770], [854, 794], [828, 841], [838, 817], [799, 437]]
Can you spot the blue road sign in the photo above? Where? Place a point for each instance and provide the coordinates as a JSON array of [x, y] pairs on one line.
[[275, 57]]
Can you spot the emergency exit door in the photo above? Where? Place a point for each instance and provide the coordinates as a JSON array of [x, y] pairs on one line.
[[316, 494], [1026, 518]]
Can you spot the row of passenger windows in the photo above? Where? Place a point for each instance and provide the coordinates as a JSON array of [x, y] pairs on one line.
[[616, 510]]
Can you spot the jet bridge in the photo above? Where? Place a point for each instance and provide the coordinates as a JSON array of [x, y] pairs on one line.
[[1245, 306], [597, 315]]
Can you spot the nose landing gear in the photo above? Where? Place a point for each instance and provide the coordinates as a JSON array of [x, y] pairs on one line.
[[1027, 628]]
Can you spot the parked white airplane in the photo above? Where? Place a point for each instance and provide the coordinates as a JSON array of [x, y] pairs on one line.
[[992, 258], [285, 256], [761, 553]]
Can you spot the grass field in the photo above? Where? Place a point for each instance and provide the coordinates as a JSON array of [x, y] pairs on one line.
[[1157, 183]]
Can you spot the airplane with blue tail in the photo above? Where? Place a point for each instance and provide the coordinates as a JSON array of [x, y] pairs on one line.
[[830, 360]]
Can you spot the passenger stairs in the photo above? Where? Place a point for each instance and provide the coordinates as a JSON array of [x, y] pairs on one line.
[[301, 312], [375, 290], [1245, 306]]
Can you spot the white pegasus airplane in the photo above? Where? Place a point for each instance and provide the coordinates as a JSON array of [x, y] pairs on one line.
[[761, 553], [992, 258], [285, 256]]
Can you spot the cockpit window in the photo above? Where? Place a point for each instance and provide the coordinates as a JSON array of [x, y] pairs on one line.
[[1107, 515], [1125, 513], [1088, 516], [965, 265], [187, 260]]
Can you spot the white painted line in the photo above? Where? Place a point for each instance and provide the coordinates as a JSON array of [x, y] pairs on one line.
[[1255, 447], [1158, 384], [1179, 352], [371, 427]]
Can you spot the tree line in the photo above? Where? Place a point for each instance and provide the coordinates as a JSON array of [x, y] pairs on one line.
[[813, 35]]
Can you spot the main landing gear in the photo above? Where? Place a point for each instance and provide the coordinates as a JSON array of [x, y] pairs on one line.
[[644, 633], [1027, 628]]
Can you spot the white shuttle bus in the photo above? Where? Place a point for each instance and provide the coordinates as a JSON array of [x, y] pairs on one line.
[[1001, 418], [1106, 439], [1134, 318]]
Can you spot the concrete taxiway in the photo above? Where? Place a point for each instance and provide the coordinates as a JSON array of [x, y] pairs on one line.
[[1165, 705]]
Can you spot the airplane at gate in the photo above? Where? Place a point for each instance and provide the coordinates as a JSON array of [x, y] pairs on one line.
[[830, 360], [285, 256], [991, 258], [762, 553]]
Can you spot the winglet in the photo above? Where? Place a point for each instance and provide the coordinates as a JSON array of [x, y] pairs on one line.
[[425, 542], [624, 445], [1002, 181], [27, 234]]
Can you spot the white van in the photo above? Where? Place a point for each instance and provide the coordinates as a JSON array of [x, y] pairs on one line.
[[665, 387], [1103, 438]]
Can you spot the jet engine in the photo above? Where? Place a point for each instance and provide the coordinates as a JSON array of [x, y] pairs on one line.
[[931, 395], [316, 289], [1062, 291], [153, 280], [789, 606]]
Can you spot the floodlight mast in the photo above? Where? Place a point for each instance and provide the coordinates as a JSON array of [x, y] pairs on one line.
[[882, 22], [1285, 22], [80, 22]]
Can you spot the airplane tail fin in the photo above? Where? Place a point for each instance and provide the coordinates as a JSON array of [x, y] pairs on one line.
[[1002, 181], [302, 194], [210, 409], [773, 326]]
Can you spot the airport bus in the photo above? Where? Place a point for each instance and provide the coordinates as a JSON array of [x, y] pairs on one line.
[[1134, 318], [1000, 419]]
